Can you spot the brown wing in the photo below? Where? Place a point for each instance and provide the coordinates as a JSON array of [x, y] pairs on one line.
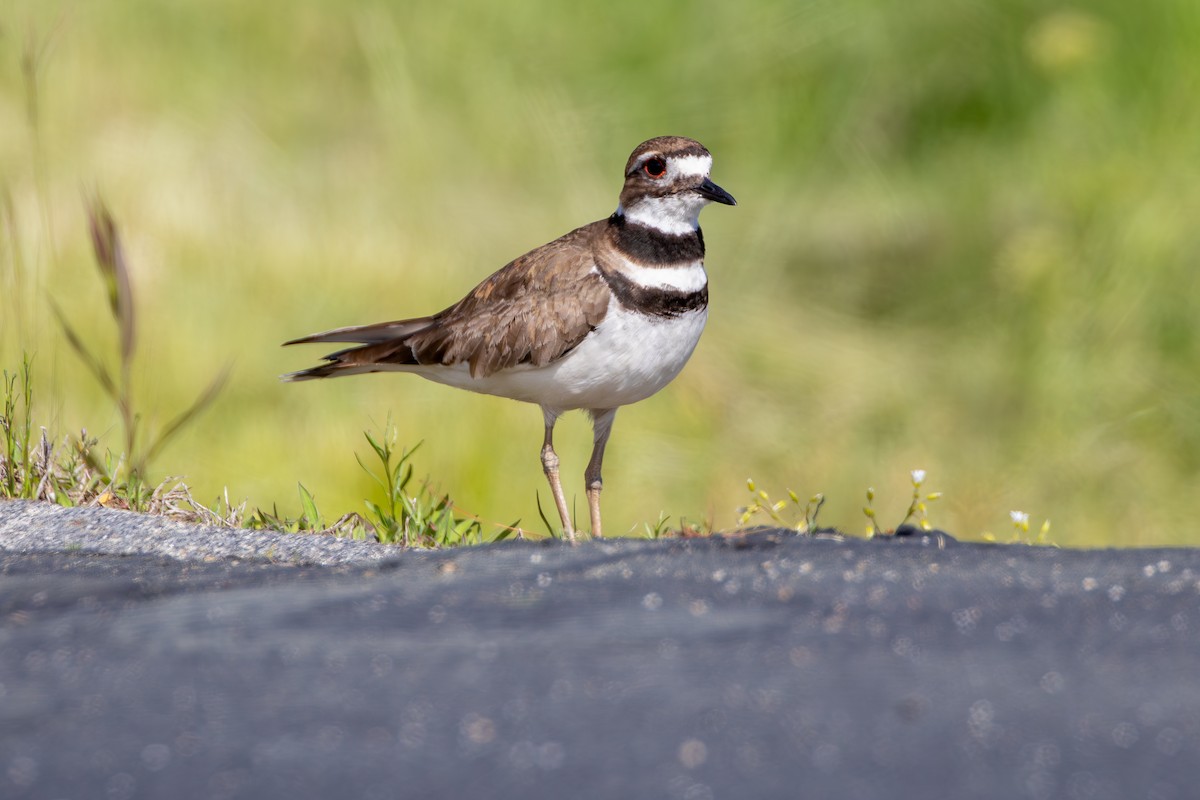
[[531, 311]]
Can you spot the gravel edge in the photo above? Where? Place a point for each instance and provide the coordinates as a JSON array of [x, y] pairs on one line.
[[30, 527]]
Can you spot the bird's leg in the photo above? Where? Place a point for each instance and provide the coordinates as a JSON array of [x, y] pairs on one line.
[[550, 467], [602, 421]]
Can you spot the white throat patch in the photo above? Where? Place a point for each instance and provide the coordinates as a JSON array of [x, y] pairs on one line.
[[676, 214]]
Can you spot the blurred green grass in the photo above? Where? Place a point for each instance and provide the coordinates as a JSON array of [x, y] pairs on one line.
[[966, 240]]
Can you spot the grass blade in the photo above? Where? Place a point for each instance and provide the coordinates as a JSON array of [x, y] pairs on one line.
[[309, 505], [89, 360], [110, 260], [203, 401], [542, 514]]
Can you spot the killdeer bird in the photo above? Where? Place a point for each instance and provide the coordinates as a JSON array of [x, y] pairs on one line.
[[597, 319]]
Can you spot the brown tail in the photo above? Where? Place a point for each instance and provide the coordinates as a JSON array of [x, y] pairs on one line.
[[333, 370], [368, 334], [384, 341]]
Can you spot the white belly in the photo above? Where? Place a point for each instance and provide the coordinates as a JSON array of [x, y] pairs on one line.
[[629, 357]]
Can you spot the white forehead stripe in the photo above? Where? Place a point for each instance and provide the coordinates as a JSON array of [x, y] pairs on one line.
[[691, 165]]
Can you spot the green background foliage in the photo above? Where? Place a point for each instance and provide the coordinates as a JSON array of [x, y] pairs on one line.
[[966, 240]]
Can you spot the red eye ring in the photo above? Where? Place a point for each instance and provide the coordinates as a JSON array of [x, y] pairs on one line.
[[655, 167]]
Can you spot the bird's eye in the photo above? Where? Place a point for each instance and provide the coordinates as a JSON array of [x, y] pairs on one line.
[[655, 168]]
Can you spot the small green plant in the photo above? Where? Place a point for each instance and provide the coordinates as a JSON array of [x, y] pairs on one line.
[[656, 530], [416, 515], [64, 471], [660, 529], [918, 507], [39, 469], [310, 520], [869, 512], [761, 504], [16, 426]]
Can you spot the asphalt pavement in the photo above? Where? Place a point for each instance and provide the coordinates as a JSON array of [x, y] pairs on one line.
[[145, 659]]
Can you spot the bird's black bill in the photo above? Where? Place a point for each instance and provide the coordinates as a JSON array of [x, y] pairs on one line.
[[715, 193]]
